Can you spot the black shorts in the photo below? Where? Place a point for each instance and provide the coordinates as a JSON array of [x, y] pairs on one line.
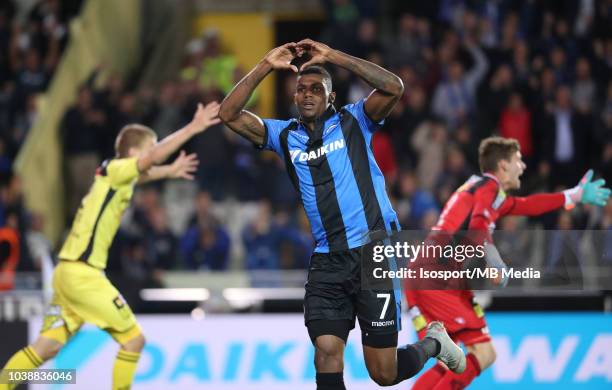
[[334, 299]]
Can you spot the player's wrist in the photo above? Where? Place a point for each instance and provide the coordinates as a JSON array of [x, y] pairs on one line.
[[572, 197], [332, 56], [171, 172], [266, 65], [193, 128]]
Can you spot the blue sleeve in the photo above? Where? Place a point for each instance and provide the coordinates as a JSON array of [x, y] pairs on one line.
[[272, 134], [358, 111]]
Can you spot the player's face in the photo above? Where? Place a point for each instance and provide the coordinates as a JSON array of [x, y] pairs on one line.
[[515, 169], [311, 96]]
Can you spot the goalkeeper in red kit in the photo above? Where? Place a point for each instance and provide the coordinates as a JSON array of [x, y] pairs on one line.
[[477, 205]]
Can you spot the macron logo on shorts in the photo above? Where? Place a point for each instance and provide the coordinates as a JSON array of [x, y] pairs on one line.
[[298, 155], [383, 323]]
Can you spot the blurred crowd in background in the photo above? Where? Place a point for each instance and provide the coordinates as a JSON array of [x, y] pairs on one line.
[[31, 44], [537, 71]]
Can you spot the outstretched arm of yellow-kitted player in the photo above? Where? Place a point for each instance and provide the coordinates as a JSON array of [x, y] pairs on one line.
[[183, 167], [205, 117]]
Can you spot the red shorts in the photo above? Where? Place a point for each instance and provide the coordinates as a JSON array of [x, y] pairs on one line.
[[456, 309]]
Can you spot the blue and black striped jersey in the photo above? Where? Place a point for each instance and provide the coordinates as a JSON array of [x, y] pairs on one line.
[[334, 170]]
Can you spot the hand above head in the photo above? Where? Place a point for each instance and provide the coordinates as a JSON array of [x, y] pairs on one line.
[[205, 116], [319, 52], [280, 57], [184, 166], [587, 192]]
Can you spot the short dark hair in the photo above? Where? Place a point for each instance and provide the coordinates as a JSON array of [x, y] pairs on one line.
[[132, 135], [317, 69], [492, 150]]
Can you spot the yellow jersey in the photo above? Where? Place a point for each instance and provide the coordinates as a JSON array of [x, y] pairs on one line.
[[99, 215]]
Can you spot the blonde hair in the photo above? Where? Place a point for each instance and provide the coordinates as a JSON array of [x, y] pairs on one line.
[[130, 136]]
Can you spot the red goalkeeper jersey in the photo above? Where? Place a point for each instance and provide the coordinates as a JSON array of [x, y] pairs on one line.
[[475, 206], [481, 201]]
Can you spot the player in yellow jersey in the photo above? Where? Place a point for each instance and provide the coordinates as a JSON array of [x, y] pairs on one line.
[[82, 293]]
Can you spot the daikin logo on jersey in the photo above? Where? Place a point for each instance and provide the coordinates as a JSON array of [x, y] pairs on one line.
[[298, 155]]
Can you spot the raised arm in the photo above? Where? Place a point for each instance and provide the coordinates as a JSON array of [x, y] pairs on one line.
[[586, 191], [184, 167], [203, 119], [232, 111], [388, 88], [536, 204], [480, 67]]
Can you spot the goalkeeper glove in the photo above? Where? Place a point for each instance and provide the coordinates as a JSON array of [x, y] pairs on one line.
[[588, 192]]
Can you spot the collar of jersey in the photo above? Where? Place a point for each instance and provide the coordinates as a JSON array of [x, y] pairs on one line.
[[491, 176], [319, 122]]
